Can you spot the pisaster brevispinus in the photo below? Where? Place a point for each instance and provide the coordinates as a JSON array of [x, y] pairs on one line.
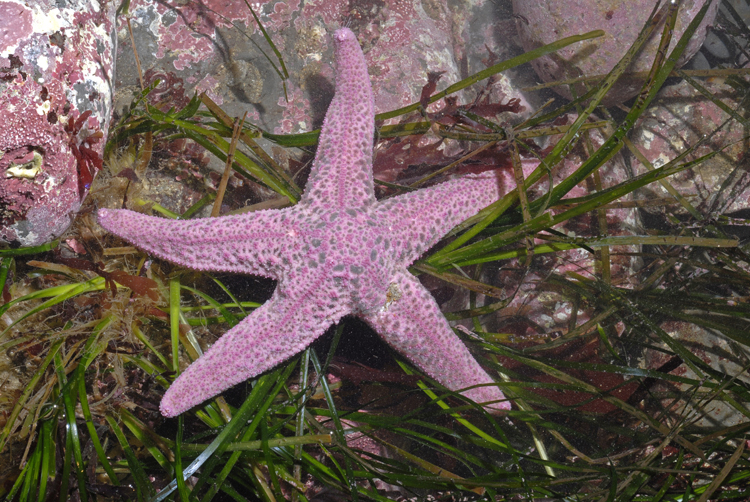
[[337, 252]]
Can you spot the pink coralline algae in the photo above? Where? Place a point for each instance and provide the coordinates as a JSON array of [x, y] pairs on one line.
[[677, 119], [56, 66], [337, 252], [546, 21], [402, 40]]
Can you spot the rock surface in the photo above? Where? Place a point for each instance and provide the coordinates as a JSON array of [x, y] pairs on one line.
[[546, 21], [56, 70]]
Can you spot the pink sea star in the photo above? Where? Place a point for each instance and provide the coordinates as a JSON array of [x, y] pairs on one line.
[[338, 252]]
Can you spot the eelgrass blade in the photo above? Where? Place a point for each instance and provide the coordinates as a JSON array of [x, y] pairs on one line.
[[239, 420], [90, 352], [563, 147], [582, 386], [148, 438], [229, 317], [610, 147], [182, 490], [49, 246], [19, 483], [21, 403], [284, 74], [33, 476], [265, 392], [299, 422], [269, 463], [667, 485], [143, 486], [58, 293], [69, 395], [494, 442], [6, 263], [260, 155], [243, 164], [230, 295], [47, 470], [136, 330], [494, 69], [547, 220], [174, 322], [338, 427]]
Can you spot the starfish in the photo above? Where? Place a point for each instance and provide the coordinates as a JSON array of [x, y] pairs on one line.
[[337, 252]]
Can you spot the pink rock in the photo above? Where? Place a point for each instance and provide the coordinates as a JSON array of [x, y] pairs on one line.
[[679, 118], [546, 21], [402, 41], [56, 68], [716, 351], [538, 308]]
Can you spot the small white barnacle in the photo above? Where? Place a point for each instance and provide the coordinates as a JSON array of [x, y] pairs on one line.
[[28, 170], [393, 294]]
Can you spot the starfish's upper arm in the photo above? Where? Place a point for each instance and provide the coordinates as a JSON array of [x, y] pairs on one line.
[[341, 175]]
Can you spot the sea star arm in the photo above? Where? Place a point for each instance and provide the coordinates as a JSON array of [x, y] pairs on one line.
[[283, 326], [249, 243], [417, 220], [413, 325], [341, 176]]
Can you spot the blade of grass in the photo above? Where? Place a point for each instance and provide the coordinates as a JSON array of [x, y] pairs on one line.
[[20, 404], [471, 427], [90, 352], [547, 220], [338, 429], [30, 250], [563, 147], [604, 153], [228, 316], [174, 322], [260, 416], [497, 68], [229, 432], [58, 293], [150, 440], [182, 490], [6, 263], [143, 486], [47, 465], [68, 395]]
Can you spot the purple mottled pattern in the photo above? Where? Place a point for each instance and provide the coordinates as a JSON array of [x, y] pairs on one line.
[[337, 252]]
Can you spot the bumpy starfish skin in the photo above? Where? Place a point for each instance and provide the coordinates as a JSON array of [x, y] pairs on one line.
[[337, 252]]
